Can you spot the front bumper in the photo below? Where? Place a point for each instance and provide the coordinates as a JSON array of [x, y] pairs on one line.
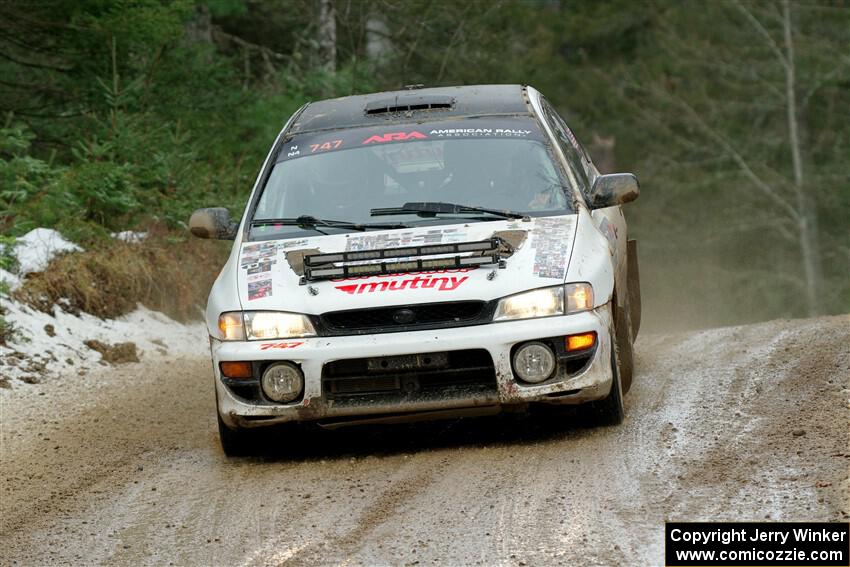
[[593, 382]]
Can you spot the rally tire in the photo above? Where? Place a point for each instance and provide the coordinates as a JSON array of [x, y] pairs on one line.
[[633, 281], [623, 343], [236, 442], [610, 410]]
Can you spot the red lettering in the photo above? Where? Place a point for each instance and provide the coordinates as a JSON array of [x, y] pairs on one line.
[[395, 137], [325, 146], [373, 286], [399, 284], [267, 346], [452, 283], [418, 282]]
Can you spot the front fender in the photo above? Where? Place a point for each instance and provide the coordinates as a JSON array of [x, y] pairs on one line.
[[592, 260], [224, 295]]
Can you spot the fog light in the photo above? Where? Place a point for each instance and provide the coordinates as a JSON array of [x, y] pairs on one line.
[[534, 362], [282, 382], [583, 341]]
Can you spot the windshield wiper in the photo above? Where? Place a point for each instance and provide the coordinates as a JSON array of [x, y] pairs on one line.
[[306, 221], [434, 208]]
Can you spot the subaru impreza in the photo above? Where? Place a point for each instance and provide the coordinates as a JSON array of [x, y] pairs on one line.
[[422, 254]]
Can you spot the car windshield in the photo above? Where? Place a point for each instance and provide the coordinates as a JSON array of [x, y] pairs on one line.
[[342, 175]]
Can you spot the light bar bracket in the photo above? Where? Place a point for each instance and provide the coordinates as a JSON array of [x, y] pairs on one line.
[[407, 259]]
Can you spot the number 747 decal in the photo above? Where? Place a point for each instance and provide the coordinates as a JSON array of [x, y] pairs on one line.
[[267, 346], [332, 145]]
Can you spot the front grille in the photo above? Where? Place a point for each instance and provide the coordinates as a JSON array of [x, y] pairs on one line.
[[404, 318], [408, 377]]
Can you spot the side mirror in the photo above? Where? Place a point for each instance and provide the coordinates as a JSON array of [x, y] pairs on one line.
[[614, 189], [213, 222]]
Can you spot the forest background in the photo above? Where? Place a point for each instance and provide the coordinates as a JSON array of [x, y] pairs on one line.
[[735, 115]]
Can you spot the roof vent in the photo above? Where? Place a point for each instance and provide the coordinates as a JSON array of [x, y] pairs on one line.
[[409, 104]]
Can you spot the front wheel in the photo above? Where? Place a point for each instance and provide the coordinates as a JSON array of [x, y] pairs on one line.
[[236, 442], [610, 410], [633, 282], [623, 343]]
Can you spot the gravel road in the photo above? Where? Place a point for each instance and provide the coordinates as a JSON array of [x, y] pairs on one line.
[[123, 467]]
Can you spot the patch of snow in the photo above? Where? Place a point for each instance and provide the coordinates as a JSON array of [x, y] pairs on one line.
[[130, 236], [44, 356], [36, 248], [10, 279]]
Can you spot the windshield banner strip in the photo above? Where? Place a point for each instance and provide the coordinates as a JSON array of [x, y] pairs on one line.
[[491, 128]]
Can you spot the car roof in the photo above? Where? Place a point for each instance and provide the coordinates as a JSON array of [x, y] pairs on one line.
[[412, 105]]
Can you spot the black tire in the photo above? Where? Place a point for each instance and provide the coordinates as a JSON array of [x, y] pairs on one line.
[[633, 281], [623, 343], [236, 442], [610, 410]]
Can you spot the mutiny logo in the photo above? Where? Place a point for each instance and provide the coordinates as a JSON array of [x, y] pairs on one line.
[[440, 283], [395, 137]]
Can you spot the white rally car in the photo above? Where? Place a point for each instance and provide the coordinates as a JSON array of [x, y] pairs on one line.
[[422, 254]]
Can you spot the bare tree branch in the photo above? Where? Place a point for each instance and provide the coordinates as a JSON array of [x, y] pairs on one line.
[[823, 80], [736, 156], [763, 31], [221, 36], [807, 219], [449, 47]]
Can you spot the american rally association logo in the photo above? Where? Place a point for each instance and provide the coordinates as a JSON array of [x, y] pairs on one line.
[[395, 137], [439, 281]]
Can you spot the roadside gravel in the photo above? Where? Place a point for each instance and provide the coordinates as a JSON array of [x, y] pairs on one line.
[[122, 466]]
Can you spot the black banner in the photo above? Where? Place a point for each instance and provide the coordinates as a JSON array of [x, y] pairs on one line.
[[312, 143], [757, 544]]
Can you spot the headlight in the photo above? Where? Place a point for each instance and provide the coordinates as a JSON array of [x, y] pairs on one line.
[[579, 297], [545, 302], [536, 303], [277, 325], [263, 325], [230, 326]]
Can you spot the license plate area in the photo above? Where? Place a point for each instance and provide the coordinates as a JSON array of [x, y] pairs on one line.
[[409, 362]]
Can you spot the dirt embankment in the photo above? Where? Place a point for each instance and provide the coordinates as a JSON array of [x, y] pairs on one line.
[[123, 467]]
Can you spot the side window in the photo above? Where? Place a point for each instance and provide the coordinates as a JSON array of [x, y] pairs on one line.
[[569, 145]]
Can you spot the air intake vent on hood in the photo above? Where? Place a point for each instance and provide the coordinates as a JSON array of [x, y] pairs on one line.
[[409, 104]]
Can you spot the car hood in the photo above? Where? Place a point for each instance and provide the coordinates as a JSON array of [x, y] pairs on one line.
[[270, 272]]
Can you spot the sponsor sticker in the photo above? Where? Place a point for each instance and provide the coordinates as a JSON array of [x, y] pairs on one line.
[[397, 239], [394, 137], [417, 281], [259, 289], [480, 133], [260, 267], [610, 231], [550, 242], [255, 253]]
